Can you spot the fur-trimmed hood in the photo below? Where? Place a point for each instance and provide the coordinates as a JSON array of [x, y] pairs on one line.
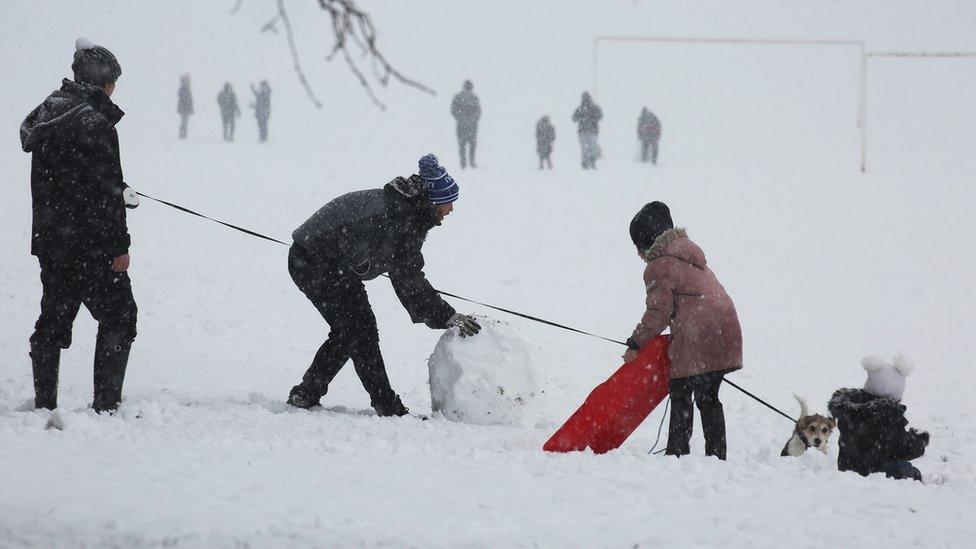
[[860, 404], [675, 243]]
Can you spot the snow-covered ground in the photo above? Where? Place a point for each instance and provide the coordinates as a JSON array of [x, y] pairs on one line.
[[759, 161]]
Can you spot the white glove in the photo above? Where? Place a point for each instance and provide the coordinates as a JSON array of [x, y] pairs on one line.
[[130, 197]]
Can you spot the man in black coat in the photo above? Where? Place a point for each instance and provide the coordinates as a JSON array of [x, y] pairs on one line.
[[466, 110], [872, 424], [359, 236], [649, 134], [588, 116], [79, 232], [262, 108]]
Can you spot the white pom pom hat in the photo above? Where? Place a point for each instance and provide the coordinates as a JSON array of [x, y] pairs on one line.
[[886, 379]]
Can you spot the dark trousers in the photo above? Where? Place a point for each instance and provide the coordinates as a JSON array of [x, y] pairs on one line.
[[704, 389], [545, 155], [649, 150], [341, 299], [229, 125], [262, 129], [902, 470], [184, 118], [66, 285], [467, 142]]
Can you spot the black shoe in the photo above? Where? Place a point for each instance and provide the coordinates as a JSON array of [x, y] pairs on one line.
[[46, 362], [299, 397], [395, 408], [111, 359]]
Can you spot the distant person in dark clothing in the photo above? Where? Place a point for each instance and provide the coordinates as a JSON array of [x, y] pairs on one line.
[[359, 236], [588, 116], [184, 105], [649, 133], [545, 134], [262, 108], [466, 109], [872, 424], [229, 110], [79, 232]]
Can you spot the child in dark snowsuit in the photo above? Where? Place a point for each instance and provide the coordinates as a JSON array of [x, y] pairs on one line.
[[873, 438], [706, 340]]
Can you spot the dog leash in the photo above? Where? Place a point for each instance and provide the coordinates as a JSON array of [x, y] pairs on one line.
[[455, 296]]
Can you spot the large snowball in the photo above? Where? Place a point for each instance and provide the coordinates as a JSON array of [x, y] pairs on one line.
[[488, 379]]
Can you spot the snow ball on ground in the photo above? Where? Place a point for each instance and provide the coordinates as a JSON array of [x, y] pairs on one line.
[[487, 379]]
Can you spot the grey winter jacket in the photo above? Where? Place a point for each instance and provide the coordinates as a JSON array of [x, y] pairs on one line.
[[380, 231]]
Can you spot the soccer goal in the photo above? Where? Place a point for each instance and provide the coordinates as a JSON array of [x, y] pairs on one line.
[[850, 78]]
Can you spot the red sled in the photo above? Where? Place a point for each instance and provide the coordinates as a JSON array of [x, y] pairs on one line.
[[617, 406]]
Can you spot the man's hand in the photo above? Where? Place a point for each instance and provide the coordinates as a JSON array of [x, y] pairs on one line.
[[466, 324], [629, 355], [121, 264]]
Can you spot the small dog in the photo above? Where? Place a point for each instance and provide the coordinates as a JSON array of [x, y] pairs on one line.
[[810, 432]]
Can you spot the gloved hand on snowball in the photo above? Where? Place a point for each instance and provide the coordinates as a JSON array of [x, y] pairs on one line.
[[466, 324]]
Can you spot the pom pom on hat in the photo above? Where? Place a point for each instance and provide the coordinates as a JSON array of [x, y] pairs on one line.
[[94, 64], [886, 379]]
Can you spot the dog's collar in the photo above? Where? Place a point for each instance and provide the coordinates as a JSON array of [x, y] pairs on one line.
[[803, 439]]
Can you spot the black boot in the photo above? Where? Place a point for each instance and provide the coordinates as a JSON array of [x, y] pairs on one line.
[[111, 358], [46, 362], [301, 396], [392, 407], [713, 426]]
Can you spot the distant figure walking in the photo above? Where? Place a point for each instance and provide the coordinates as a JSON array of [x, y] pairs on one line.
[[588, 116], [545, 134], [262, 108], [229, 110], [184, 105], [466, 109], [649, 133]]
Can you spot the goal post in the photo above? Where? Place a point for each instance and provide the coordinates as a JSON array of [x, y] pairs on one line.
[[865, 57]]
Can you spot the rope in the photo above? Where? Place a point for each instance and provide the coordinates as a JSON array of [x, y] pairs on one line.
[[660, 427], [448, 294]]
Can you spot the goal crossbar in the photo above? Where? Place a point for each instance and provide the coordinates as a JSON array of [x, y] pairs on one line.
[[865, 56]]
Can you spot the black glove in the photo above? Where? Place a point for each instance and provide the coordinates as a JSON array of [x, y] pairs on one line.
[[466, 324], [923, 436]]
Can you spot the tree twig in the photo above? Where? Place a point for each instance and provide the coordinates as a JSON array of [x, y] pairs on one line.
[[283, 15], [350, 25]]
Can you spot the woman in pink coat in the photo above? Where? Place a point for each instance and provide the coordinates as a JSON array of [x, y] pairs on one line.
[[706, 340]]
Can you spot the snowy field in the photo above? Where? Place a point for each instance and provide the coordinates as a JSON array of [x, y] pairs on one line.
[[759, 161]]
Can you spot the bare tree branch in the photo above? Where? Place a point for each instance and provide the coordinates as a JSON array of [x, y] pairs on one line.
[[350, 26], [283, 15]]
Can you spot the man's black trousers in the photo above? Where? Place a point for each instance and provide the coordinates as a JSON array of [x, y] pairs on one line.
[[67, 283], [704, 389], [340, 297]]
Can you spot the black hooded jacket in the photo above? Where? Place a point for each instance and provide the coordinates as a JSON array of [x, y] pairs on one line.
[[872, 432], [380, 231], [76, 174]]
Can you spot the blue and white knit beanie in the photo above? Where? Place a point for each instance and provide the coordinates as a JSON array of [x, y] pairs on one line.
[[440, 186]]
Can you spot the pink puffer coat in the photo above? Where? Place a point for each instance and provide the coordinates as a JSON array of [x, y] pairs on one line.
[[683, 293]]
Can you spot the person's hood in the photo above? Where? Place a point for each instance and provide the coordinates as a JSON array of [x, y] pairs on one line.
[[675, 243], [858, 403], [406, 199], [76, 108]]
